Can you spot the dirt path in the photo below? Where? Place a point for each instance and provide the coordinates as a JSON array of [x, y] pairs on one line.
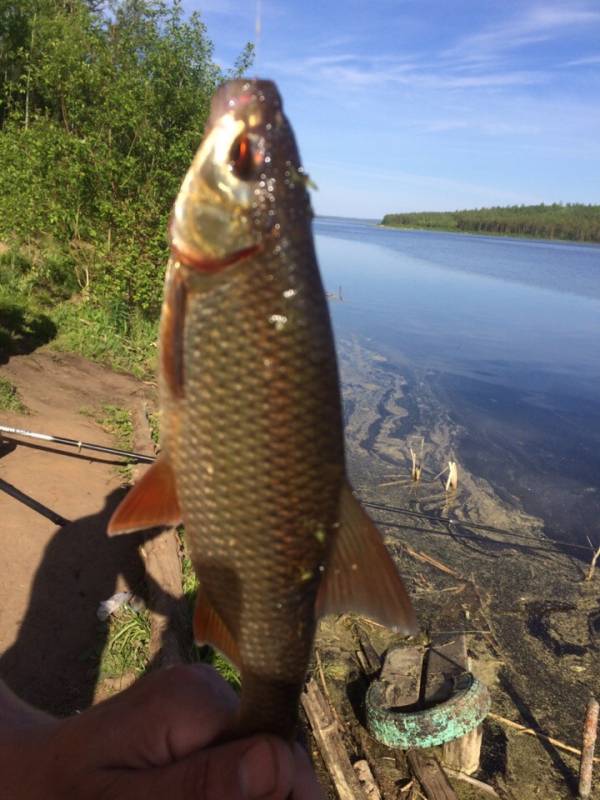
[[54, 576]]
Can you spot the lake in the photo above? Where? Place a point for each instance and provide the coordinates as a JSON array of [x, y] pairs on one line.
[[507, 334]]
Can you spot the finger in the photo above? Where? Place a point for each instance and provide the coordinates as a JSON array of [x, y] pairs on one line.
[[306, 785], [161, 719], [258, 768]]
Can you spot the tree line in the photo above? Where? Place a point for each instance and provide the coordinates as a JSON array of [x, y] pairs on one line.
[[570, 221], [102, 105]]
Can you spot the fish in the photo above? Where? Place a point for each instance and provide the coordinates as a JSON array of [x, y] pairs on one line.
[[252, 442]]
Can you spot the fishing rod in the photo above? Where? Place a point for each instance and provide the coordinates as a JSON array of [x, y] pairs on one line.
[[98, 448], [45, 437]]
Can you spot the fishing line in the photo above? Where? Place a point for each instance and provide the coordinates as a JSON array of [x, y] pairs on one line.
[[467, 524], [45, 437], [257, 29]]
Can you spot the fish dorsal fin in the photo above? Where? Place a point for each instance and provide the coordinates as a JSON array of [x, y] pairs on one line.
[[151, 502], [361, 576], [209, 628]]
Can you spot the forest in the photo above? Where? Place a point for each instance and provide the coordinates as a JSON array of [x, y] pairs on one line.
[[570, 221], [102, 106]]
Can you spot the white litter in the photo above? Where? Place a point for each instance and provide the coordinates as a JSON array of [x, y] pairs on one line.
[[114, 603]]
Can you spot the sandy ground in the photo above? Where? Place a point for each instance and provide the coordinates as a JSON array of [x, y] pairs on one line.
[[54, 576]]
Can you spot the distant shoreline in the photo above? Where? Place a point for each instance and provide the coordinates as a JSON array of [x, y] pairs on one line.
[[490, 234], [573, 222]]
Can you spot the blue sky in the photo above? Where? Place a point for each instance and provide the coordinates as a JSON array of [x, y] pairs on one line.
[[408, 105]]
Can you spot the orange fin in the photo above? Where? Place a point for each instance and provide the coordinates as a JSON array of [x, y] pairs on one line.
[[150, 503], [209, 628], [361, 575], [172, 330]]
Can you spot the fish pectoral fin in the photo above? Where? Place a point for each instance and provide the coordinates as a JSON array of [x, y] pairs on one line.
[[151, 502], [210, 629], [361, 575]]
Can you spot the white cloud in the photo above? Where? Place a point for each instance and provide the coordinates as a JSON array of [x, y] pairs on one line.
[[582, 62], [538, 24], [348, 71]]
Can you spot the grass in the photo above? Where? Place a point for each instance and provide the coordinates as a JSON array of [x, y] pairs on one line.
[[153, 421], [34, 313], [10, 399], [117, 421], [102, 334], [126, 648]]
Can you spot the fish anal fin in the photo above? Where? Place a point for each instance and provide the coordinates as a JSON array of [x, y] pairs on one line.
[[151, 502], [210, 629], [361, 575]]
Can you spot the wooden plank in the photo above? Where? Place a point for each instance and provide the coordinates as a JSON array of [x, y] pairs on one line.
[[370, 657], [431, 776], [463, 754], [402, 672], [447, 659], [329, 740]]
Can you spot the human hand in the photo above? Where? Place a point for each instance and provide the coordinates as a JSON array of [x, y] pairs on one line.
[[157, 740]]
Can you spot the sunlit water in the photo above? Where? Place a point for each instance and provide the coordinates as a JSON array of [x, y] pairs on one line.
[[507, 332]]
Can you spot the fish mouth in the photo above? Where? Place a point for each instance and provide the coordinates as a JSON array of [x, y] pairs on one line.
[[208, 264]]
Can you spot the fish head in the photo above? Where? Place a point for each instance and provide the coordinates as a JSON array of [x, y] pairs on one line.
[[245, 181]]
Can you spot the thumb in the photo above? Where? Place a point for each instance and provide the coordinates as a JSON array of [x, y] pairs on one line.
[[256, 768]]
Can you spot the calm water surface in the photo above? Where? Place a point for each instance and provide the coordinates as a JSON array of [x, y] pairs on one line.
[[507, 332]]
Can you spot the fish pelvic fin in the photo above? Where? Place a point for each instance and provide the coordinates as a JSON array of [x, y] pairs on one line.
[[150, 503], [210, 629], [361, 575]]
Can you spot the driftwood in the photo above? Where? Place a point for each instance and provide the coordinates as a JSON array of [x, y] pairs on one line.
[[366, 779], [590, 730], [595, 556], [416, 468], [431, 776], [452, 482], [483, 787], [328, 737], [433, 561], [532, 732]]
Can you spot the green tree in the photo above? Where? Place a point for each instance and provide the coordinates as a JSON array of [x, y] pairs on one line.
[[101, 109]]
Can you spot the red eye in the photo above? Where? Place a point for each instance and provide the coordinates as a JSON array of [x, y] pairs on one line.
[[242, 162]]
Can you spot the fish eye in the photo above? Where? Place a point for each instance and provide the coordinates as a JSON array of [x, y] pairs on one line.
[[242, 158]]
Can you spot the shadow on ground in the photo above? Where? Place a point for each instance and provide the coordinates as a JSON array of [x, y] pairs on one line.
[[54, 663], [22, 331]]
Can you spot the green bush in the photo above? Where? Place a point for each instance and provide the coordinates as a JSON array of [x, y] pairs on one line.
[[100, 114]]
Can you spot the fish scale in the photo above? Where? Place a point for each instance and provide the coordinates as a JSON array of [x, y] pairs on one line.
[[276, 463], [252, 450]]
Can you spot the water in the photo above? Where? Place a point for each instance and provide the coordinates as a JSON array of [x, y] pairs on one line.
[[507, 332]]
